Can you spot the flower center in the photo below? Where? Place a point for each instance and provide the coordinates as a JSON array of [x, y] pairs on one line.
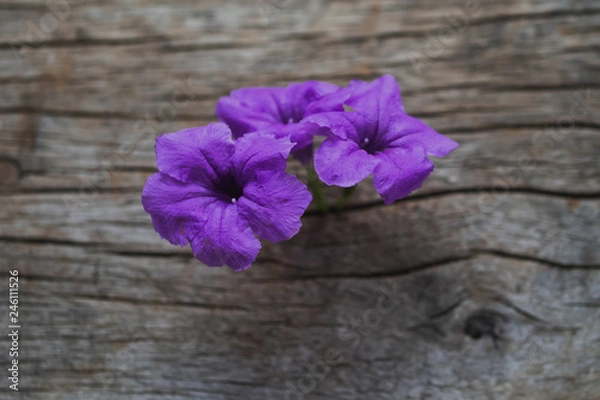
[[229, 189], [287, 120], [291, 116], [369, 145]]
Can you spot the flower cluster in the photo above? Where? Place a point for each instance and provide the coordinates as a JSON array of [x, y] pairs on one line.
[[222, 186]]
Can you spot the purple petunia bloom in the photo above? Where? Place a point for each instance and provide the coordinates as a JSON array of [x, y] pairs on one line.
[[217, 194], [377, 138], [278, 111]]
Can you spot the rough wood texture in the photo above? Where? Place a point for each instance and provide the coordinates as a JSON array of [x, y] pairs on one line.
[[484, 284]]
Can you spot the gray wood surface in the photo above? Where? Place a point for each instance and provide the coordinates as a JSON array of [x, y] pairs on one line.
[[484, 284]]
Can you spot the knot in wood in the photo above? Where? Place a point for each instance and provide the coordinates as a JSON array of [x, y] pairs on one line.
[[485, 323]]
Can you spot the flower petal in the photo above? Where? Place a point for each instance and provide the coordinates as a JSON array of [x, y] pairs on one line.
[[301, 135], [273, 205], [196, 154], [259, 151], [344, 125], [250, 109], [175, 207], [305, 93], [400, 171], [261, 108], [225, 239], [407, 131], [329, 102], [379, 100], [343, 163]]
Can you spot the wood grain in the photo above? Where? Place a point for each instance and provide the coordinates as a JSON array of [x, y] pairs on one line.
[[483, 284]]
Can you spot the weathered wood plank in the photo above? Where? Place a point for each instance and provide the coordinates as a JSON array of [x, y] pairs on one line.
[[180, 328], [378, 239], [74, 80], [493, 265], [70, 158], [213, 22]]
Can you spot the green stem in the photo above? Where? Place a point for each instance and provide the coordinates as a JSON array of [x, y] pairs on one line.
[[346, 194], [316, 188]]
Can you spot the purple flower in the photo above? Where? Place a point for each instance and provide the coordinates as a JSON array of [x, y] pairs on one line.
[[217, 194], [278, 111], [378, 138]]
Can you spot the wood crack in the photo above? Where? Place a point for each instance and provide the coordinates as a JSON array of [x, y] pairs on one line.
[[141, 302], [529, 258], [503, 191], [490, 20]]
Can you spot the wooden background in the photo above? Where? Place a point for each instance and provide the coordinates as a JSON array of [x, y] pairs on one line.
[[492, 269]]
